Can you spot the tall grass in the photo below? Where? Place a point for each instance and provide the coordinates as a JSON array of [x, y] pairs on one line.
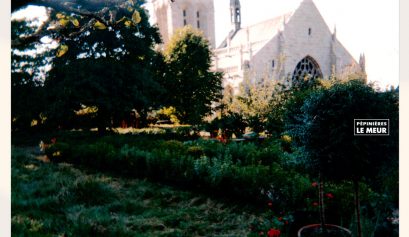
[[51, 199]]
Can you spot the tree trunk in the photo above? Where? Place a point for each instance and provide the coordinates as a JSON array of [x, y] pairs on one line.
[[101, 129], [357, 208], [143, 119], [321, 205], [101, 121]]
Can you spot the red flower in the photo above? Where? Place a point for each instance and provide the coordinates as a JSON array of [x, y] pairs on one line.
[[280, 218], [315, 204], [273, 233], [314, 184], [286, 222], [270, 204], [329, 195], [53, 140]]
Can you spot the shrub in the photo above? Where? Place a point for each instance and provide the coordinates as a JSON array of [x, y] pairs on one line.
[[133, 161], [172, 146], [56, 152], [269, 155], [219, 169], [25, 226], [195, 151], [98, 155], [242, 153], [211, 148], [239, 170], [168, 113], [231, 123]]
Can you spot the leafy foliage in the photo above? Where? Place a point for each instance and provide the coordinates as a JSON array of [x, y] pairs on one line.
[[325, 132], [27, 75], [93, 13], [110, 68], [168, 113], [104, 60], [328, 139], [253, 101], [191, 86], [230, 123], [235, 170]]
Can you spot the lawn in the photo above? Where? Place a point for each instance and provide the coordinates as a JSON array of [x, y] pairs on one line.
[[50, 199]]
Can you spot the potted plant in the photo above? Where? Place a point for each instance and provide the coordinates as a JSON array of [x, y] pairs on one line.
[[315, 230]]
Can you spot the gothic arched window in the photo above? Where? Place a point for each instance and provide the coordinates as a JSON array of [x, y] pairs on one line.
[[306, 69]]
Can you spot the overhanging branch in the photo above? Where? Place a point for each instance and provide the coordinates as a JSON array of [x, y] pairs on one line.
[[72, 7]]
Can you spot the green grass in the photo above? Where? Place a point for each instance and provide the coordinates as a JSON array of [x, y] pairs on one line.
[[60, 200]]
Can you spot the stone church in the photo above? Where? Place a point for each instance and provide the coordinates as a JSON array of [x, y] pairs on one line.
[[292, 46]]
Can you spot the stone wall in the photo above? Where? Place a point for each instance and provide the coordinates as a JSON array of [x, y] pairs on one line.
[[170, 16]]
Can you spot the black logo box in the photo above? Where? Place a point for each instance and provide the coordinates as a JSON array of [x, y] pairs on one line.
[[371, 127]]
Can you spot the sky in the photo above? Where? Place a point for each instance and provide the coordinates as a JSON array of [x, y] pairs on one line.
[[363, 26]]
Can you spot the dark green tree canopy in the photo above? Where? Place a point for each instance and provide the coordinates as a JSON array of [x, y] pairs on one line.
[[191, 86], [105, 58], [107, 67], [325, 130], [28, 70]]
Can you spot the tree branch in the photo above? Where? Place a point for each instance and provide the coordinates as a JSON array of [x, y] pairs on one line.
[[68, 6]]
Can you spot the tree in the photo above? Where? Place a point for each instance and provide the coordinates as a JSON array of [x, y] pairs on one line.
[[289, 101], [109, 67], [28, 68], [253, 101], [192, 87], [104, 61], [325, 133]]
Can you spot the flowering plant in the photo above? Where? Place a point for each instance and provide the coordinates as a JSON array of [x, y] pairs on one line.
[[270, 224], [273, 233]]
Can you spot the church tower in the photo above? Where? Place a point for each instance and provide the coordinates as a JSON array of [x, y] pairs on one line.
[[170, 15], [235, 14]]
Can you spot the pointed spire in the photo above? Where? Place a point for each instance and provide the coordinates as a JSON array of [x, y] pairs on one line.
[[284, 19], [362, 62], [333, 54]]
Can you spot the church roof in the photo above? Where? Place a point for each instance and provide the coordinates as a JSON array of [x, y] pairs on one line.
[[262, 31]]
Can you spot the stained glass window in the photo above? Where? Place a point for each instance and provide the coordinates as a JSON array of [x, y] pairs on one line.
[[306, 69]]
